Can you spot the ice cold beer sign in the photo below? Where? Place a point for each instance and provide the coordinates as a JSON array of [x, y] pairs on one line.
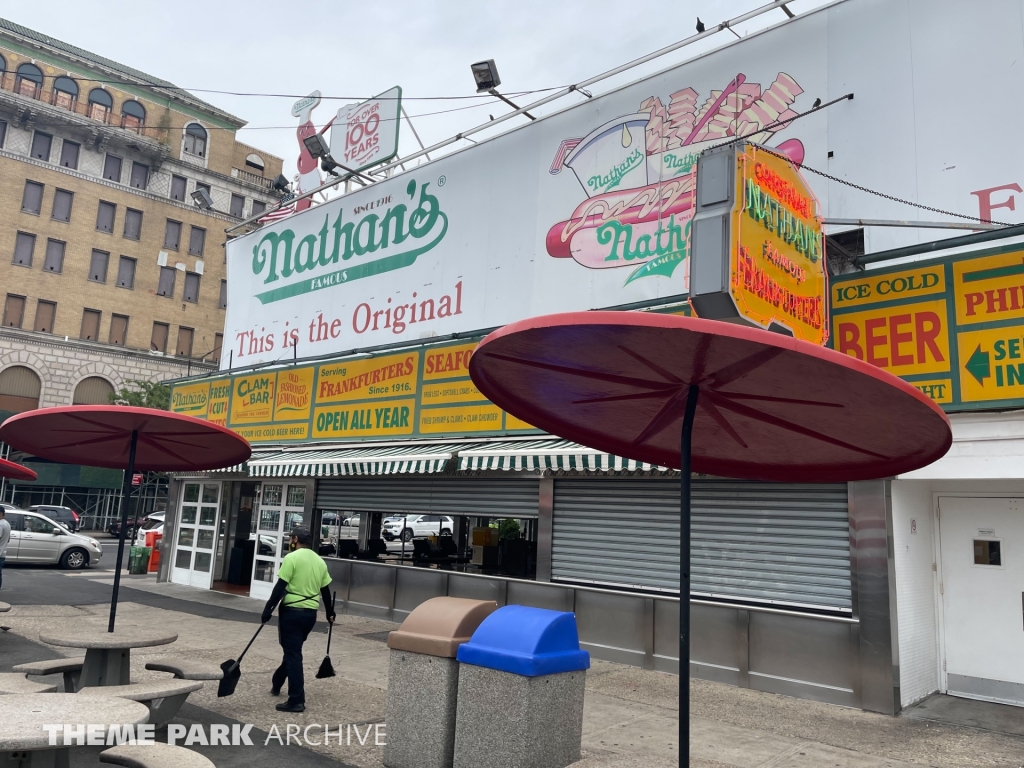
[[367, 134]]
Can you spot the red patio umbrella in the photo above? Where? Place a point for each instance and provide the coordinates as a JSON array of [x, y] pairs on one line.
[[124, 437], [711, 397], [16, 471]]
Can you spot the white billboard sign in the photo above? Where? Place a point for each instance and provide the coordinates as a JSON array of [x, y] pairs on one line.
[[591, 207], [366, 134]]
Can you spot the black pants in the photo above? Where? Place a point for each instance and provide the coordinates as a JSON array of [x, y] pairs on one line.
[[293, 627]]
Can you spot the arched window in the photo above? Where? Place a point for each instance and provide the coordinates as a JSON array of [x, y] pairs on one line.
[[133, 116], [3, 65], [65, 92], [19, 389], [100, 104], [195, 140], [29, 80], [255, 161], [93, 390]]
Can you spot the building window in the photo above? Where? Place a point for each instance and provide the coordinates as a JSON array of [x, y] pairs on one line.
[[203, 185], [218, 342], [54, 261], [195, 140], [166, 285], [118, 330], [19, 389], [140, 175], [191, 288], [133, 224], [42, 143], [105, 217], [172, 235], [179, 184], [24, 245], [3, 131], [196, 241], [223, 302], [258, 207], [126, 273], [69, 154], [32, 197], [184, 348], [93, 390], [255, 162], [133, 116], [98, 266], [112, 168], [100, 104], [14, 311], [62, 200], [46, 311], [158, 341], [65, 92], [90, 325], [29, 80], [237, 206]]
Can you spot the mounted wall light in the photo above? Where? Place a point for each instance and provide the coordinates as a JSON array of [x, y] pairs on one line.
[[202, 199]]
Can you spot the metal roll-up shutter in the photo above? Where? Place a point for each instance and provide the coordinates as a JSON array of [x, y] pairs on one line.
[[479, 496], [763, 542]]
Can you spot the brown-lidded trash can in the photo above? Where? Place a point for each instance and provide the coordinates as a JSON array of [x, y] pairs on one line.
[[423, 681]]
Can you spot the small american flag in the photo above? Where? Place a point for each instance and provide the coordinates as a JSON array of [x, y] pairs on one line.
[[283, 212]]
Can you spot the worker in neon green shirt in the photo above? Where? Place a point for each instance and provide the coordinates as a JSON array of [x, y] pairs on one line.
[[301, 583]]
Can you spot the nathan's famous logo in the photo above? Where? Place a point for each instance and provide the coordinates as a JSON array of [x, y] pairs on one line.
[[184, 401], [783, 215], [374, 244], [638, 173]]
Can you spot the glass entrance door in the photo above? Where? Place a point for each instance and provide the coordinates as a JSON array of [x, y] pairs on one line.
[[281, 509], [197, 526]]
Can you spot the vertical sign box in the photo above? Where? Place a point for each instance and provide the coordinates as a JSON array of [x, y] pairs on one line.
[[756, 244], [366, 134]]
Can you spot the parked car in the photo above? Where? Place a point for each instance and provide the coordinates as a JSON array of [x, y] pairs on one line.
[[406, 527], [154, 523], [133, 525], [352, 522], [63, 515], [36, 538]]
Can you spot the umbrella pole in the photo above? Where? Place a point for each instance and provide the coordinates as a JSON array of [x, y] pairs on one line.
[[126, 495], [684, 575]]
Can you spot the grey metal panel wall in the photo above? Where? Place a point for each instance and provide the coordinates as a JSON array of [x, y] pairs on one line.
[[441, 494], [767, 542]]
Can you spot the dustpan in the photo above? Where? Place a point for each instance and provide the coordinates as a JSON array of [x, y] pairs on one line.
[[232, 670]]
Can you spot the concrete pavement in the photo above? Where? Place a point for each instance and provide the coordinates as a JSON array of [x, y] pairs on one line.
[[630, 715]]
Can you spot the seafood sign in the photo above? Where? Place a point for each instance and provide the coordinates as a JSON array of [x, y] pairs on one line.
[[638, 173]]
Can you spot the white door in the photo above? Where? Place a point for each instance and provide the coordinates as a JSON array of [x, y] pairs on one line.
[[982, 591], [197, 526], [281, 509]]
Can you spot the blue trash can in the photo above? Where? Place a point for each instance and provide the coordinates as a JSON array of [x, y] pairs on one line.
[[521, 683]]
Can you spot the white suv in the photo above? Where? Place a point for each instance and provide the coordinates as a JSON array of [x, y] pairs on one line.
[[408, 526]]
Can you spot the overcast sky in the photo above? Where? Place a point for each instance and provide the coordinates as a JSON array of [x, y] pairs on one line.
[[355, 50]]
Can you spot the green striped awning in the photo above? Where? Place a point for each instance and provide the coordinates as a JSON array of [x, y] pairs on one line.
[[244, 466], [546, 454], [354, 461]]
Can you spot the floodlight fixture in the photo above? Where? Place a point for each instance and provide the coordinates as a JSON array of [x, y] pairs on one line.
[[280, 183], [202, 199], [316, 145], [486, 75]]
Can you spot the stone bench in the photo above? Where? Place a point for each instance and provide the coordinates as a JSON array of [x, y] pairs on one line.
[[71, 668], [155, 755], [187, 669], [163, 697], [15, 682], [5, 607]]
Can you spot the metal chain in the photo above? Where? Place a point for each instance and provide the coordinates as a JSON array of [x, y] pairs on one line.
[[858, 187]]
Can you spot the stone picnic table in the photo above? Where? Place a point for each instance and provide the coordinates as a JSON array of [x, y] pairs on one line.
[[5, 607], [107, 654], [22, 717]]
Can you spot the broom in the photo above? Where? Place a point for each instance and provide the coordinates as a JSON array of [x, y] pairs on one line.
[[232, 671], [326, 668]]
